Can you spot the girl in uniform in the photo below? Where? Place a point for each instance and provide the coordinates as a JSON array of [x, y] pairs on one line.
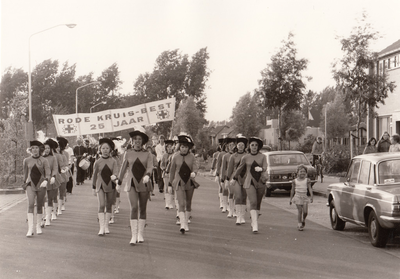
[[228, 191], [165, 160], [237, 186], [299, 189], [62, 191], [49, 153], [36, 177], [255, 164], [139, 163], [105, 172], [183, 169], [219, 179]]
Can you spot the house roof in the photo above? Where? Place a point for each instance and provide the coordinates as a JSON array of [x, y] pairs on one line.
[[395, 47]]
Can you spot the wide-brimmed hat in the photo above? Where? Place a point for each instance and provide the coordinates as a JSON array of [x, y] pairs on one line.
[[52, 143], [229, 140], [62, 142], [35, 143], [183, 139], [221, 141], [108, 141], [168, 141], [140, 132], [241, 138], [258, 140]]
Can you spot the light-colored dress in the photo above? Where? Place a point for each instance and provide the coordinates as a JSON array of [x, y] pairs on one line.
[[300, 196]]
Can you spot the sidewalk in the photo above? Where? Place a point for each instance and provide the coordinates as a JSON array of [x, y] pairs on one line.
[[9, 200]]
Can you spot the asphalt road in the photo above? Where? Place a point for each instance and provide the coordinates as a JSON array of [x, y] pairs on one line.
[[213, 248]]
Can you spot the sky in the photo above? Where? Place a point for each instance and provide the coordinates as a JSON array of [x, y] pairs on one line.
[[240, 36]]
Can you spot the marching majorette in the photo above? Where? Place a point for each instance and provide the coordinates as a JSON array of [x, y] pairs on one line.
[[36, 177], [255, 164], [62, 190], [139, 163], [213, 170], [227, 190], [50, 155], [169, 193], [182, 173], [105, 172], [237, 187], [218, 177]]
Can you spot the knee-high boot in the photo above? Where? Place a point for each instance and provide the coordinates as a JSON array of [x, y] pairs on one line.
[[101, 223], [30, 224], [167, 200], [49, 209], [221, 200], [182, 219], [106, 222], [243, 213], [224, 203], [171, 201], [59, 212], [39, 223], [54, 213], [238, 214], [141, 225], [188, 216], [134, 231], [230, 208], [254, 220]]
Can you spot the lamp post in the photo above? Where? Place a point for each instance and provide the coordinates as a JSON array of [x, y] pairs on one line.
[[76, 96], [96, 106], [30, 122]]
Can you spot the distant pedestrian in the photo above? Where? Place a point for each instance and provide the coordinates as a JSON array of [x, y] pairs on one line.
[[371, 146], [160, 151], [395, 146], [384, 143], [298, 195], [317, 150], [80, 152], [105, 172], [36, 177]]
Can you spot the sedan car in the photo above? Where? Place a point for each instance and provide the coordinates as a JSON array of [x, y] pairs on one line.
[[282, 167], [370, 196]]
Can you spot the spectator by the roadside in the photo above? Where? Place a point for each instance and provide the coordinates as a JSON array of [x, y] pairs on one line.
[[384, 143], [395, 146], [371, 146]]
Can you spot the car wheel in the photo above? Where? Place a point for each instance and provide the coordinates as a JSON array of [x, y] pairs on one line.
[[377, 235], [268, 193], [336, 223]]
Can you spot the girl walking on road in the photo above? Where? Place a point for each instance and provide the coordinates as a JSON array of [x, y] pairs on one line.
[[227, 189], [36, 177], [165, 160], [105, 172], [139, 163], [299, 190], [255, 164], [182, 173], [237, 186]]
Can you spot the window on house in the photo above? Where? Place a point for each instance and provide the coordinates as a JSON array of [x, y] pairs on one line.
[[388, 63]]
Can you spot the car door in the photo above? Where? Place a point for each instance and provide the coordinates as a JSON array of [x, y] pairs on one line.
[[361, 191], [346, 201]]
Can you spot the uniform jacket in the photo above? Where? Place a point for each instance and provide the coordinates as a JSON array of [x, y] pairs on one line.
[[219, 163], [224, 166], [181, 168], [36, 170], [234, 162], [53, 164], [250, 162], [102, 170]]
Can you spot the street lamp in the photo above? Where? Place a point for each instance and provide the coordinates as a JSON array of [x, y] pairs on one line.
[[30, 122], [97, 105], [76, 96]]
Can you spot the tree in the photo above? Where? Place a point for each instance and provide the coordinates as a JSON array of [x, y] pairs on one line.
[[188, 119], [293, 125], [245, 116], [353, 75], [337, 120], [13, 82], [110, 80], [282, 85]]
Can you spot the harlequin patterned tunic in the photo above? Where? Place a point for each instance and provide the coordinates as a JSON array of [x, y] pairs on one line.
[[234, 162], [224, 166], [36, 170], [250, 162], [60, 177], [181, 168], [138, 163], [219, 163], [102, 170], [54, 171]]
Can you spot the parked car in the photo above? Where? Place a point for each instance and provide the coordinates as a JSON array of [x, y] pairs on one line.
[[282, 167], [369, 197]]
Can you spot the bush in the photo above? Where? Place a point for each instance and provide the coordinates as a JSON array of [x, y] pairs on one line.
[[337, 159]]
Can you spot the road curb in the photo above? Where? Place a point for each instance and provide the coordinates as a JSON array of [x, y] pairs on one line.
[[12, 191]]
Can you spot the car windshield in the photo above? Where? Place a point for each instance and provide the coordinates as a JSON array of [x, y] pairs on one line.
[[288, 160], [389, 172]]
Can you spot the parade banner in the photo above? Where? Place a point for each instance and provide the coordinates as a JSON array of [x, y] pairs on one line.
[[114, 120]]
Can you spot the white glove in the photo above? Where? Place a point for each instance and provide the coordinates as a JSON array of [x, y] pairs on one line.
[[84, 154], [113, 177], [169, 189], [52, 180], [146, 179], [44, 184], [258, 169], [192, 175], [216, 179], [232, 182], [63, 170], [118, 188]]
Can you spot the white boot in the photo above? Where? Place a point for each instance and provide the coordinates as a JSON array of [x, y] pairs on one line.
[[171, 201], [54, 213], [134, 231], [238, 214], [178, 221], [141, 225], [59, 207], [230, 208], [187, 220], [101, 223], [167, 200], [243, 213], [182, 219], [106, 222], [221, 205], [49, 209], [254, 220], [39, 223], [224, 203], [30, 224]]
